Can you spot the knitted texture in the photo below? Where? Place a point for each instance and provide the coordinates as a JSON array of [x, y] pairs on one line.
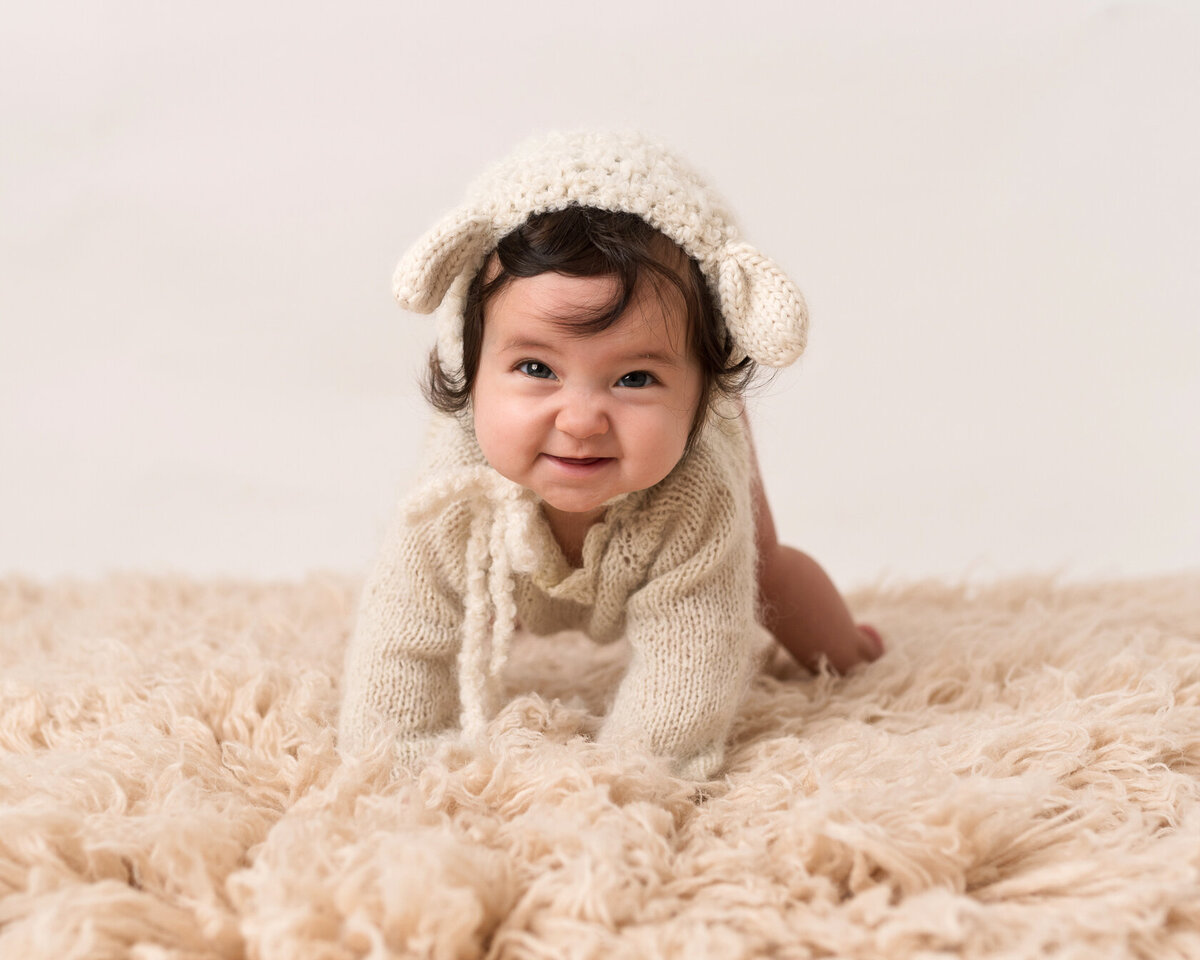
[[670, 568], [762, 309]]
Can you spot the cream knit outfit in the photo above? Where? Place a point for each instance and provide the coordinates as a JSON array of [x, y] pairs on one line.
[[670, 568]]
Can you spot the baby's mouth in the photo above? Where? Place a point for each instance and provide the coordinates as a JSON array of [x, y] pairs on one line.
[[579, 461]]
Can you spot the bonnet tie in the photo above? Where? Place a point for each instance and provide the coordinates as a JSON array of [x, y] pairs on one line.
[[499, 545]]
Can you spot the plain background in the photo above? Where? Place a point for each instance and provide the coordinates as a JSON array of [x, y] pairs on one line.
[[993, 210]]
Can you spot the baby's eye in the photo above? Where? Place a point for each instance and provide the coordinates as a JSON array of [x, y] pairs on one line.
[[639, 378], [536, 369]]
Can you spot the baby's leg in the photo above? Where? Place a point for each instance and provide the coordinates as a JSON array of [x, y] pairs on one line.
[[800, 604], [806, 613]]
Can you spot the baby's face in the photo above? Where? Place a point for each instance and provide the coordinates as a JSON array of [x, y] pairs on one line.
[[581, 419]]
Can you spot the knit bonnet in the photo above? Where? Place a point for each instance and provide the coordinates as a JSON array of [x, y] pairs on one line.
[[762, 309]]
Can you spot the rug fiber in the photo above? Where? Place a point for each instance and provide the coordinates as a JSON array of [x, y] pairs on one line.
[[1018, 777]]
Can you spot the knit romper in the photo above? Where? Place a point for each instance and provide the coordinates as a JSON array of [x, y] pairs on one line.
[[671, 569]]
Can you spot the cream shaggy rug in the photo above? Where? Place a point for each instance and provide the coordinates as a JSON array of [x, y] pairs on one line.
[[1018, 777]]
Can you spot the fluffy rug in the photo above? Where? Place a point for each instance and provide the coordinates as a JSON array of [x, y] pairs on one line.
[[1018, 777]]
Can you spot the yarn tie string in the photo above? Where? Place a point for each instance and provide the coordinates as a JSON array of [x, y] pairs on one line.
[[499, 546]]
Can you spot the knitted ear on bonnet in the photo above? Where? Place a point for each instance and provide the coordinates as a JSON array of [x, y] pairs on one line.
[[762, 309]]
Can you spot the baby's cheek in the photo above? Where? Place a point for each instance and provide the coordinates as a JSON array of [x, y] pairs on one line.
[[489, 430], [501, 433], [662, 438]]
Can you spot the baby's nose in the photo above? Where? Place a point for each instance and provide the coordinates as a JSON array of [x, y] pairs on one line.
[[582, 416]]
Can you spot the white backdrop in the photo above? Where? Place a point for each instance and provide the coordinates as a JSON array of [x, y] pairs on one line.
[[993, 209]]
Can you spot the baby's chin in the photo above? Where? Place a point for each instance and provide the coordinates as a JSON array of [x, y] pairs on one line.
[[578, 506], [583, 504]]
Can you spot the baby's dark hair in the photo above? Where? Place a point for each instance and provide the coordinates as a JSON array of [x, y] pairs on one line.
[[589, 242]]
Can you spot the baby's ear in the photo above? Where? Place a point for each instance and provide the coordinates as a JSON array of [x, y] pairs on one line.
[[425, 272], [763, 309]]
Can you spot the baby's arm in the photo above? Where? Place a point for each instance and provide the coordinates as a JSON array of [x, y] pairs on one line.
[[690, 660], [800, 605], [401, 677], [691, 626]]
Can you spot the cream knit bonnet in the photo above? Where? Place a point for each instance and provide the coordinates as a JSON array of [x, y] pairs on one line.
[[761, 307]]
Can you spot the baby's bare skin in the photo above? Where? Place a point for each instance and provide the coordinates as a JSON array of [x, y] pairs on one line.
[[800, 604]]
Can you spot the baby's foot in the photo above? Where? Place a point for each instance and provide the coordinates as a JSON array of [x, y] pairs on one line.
[[843, 651], [875, 646], [864, 646]]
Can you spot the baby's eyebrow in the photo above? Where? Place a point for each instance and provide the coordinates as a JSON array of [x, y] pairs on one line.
[[655, 356], [521, 343], [541, 346]]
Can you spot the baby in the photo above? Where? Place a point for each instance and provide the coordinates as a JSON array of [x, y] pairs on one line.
[[590, 467]]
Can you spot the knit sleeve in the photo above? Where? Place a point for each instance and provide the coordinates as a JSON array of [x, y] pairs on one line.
[[691, 626], [400, 675]]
